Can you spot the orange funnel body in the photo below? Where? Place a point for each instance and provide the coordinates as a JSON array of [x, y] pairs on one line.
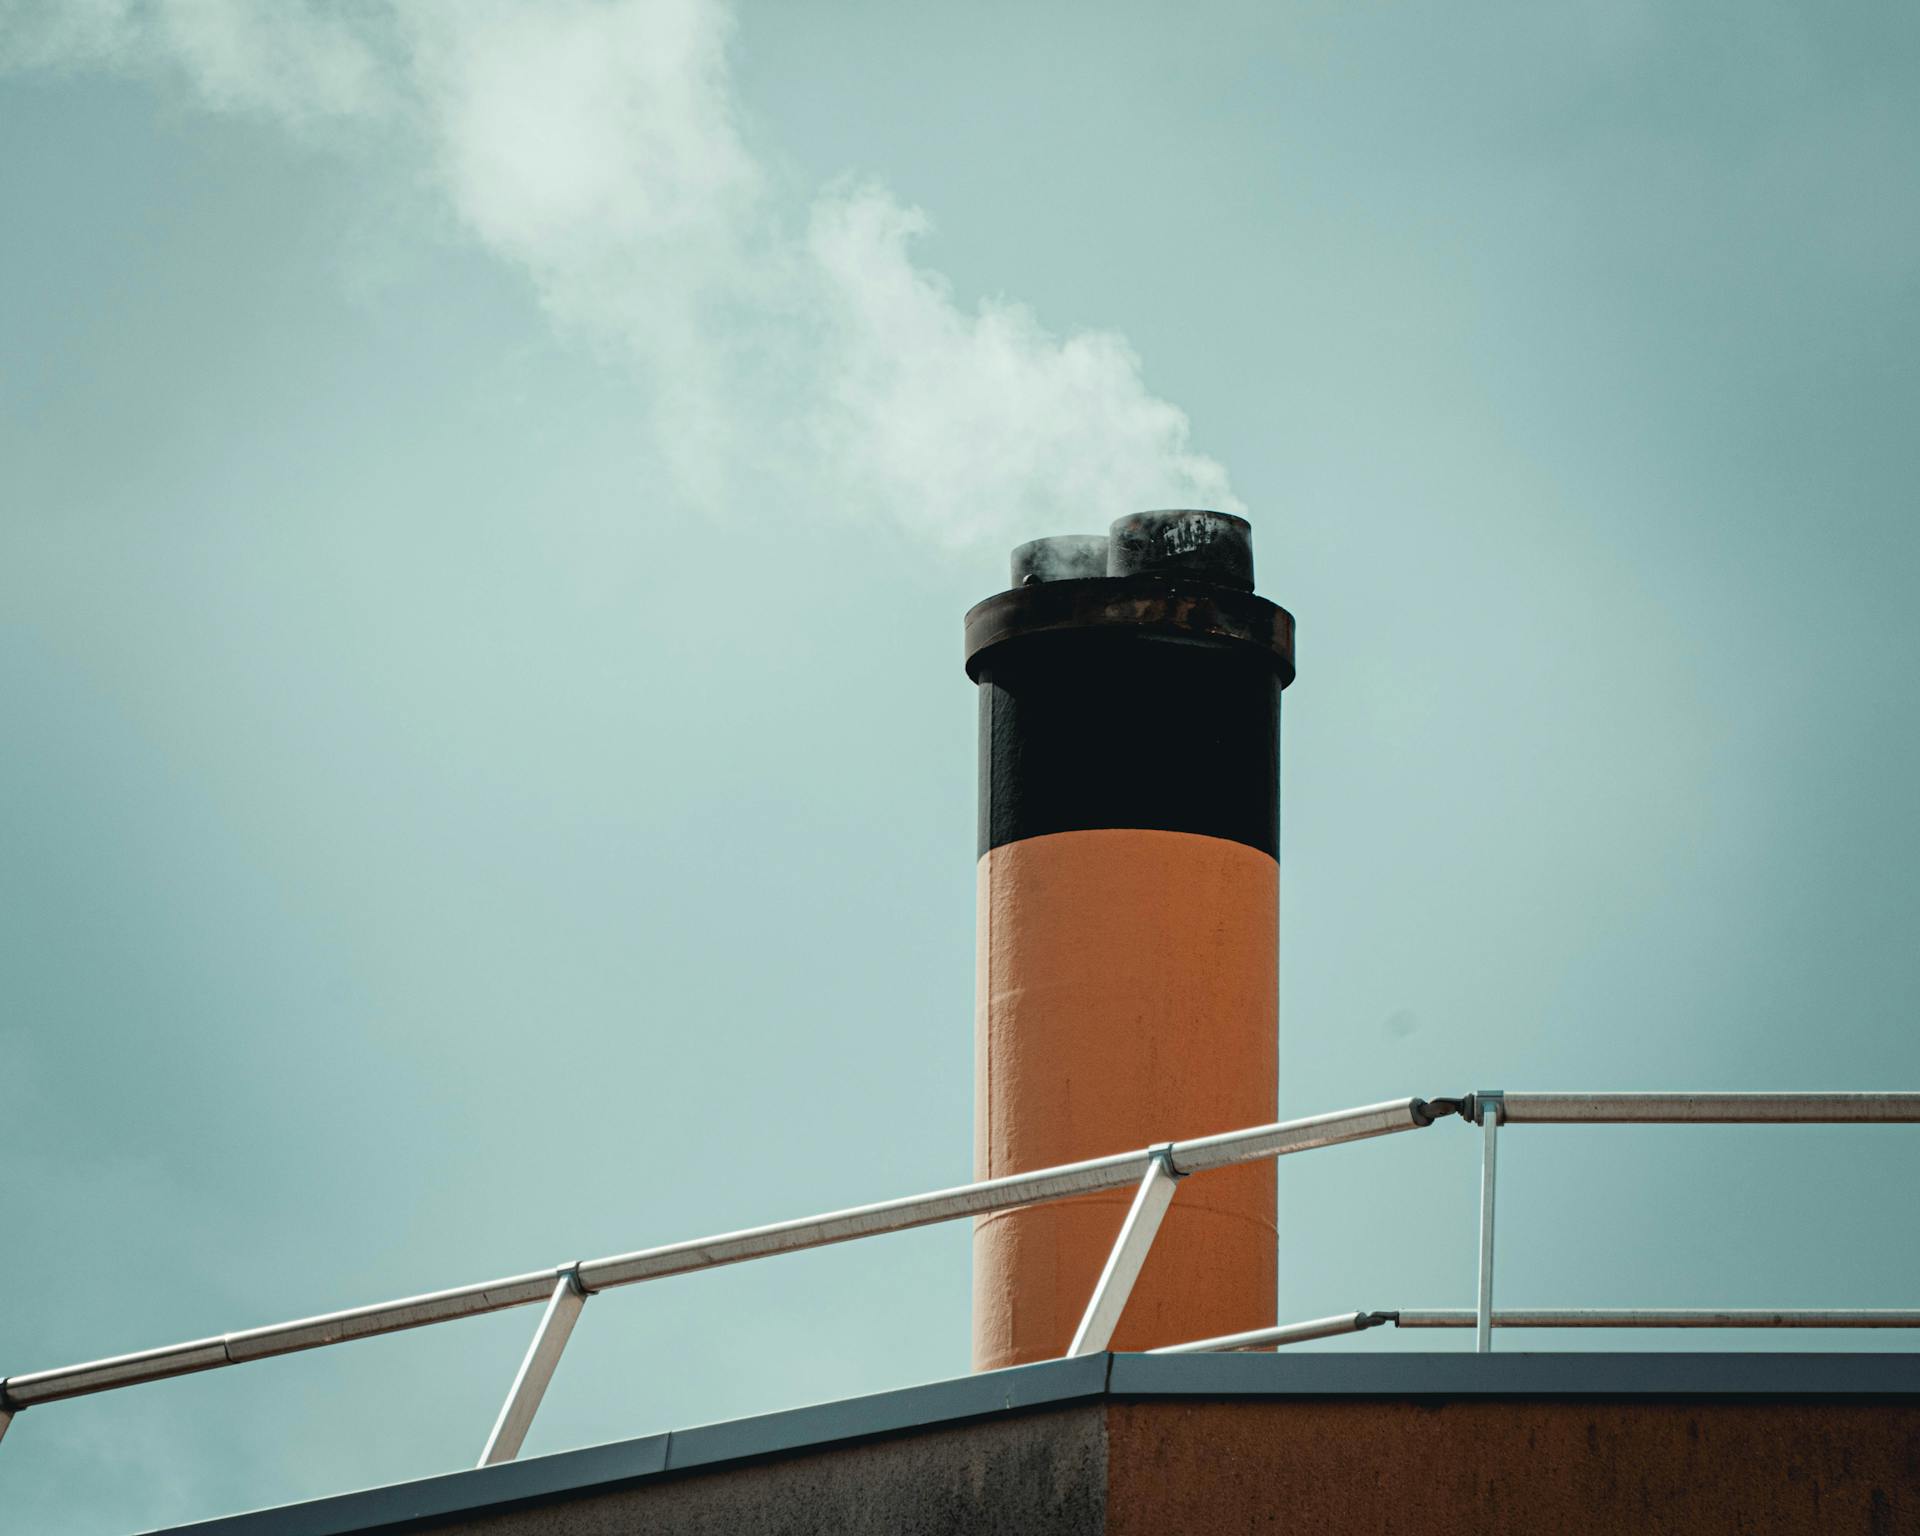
[[1127, 969], [1127, 995]]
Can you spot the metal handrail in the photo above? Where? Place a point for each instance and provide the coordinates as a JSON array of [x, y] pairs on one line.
[[1491, 1109], [1701, 1108], [1666, 1317], [1041, 1185], [1560, 1317], [1154, 1170]]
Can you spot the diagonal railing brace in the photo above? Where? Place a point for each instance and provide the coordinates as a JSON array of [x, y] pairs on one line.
[[536, 1370], [1109, 1299]]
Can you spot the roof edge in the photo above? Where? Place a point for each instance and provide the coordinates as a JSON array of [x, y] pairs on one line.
[[1058, 1383]]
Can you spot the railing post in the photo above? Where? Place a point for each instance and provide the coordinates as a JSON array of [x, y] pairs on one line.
[[1110, 1295], [536, 1370], [1488, 1108]]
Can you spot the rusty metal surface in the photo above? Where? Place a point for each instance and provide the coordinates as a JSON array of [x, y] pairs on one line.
[[1183, 541], [1159, 605], [1462, 1468]]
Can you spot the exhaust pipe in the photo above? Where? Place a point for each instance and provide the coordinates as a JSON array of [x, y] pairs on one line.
[[1127, 966]]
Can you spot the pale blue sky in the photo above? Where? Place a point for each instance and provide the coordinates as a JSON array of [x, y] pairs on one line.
[[489, 777]]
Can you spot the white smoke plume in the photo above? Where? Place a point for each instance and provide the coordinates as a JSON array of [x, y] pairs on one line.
[[598, 146]]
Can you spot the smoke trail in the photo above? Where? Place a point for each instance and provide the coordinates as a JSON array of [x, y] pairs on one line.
[[599, 148]]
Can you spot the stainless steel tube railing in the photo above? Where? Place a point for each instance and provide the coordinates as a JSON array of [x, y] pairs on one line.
[[1118, 1171], [1553, 1317], [1492, 1109], [1709, 1108], [566, 1286], [1666, 1317]]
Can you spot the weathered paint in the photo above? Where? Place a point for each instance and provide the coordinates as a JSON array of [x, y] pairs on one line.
[[1461, 1468], [1322, 1440], [1034, 1473], [1335, 1466], [1126, 994]]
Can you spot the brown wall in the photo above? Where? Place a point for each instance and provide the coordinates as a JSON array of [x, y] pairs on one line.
[[1446, 1469], [1331, 1467]]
